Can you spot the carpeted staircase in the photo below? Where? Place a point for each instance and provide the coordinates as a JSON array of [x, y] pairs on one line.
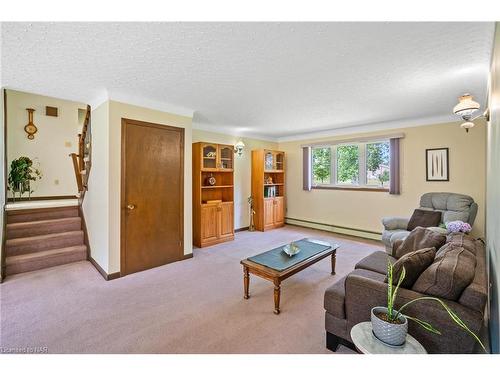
[[43, 238]]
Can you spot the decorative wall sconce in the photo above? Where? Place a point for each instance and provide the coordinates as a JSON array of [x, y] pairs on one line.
[[238, 148], [30, 128], [465, 108]]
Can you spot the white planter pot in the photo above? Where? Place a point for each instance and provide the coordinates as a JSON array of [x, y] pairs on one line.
[[389, 333]]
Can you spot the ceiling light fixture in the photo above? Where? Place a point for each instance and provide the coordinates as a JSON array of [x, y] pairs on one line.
[[465, 108]]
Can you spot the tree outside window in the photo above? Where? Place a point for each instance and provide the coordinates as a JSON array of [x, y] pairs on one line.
[[321, 165], [348, 164], [377, 163]]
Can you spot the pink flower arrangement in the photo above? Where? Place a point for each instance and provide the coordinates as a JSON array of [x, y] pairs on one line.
[[458, 226]]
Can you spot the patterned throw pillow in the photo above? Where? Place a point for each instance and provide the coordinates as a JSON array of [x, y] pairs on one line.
[[414, 264], [420, 238]]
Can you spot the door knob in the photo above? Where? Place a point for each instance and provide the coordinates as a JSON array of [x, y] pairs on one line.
[[131, 206]]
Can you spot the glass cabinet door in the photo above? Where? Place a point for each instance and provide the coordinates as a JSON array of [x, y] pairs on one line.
[[279, 161], [268, 161], [209, 156], [226, 155]]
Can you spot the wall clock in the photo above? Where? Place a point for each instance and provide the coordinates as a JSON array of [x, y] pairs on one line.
[[30, 128]]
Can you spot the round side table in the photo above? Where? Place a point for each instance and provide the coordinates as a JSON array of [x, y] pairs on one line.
[[366, 343]]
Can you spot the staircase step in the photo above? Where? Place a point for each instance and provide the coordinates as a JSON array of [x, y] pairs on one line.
[[36, 228], [20, 246], [20, 216], [44, 259]]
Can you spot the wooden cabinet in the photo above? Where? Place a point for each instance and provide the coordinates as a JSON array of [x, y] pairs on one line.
[[268, 212], [268, 188], [213, 193], [216, 157], [274, 212], [279, 211], [216, 222], [209, 218]]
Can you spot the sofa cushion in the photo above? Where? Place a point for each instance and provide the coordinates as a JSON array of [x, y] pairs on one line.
[[453, 206], [424, 218], [463, 240], [376, 262], [451, 272], [420, 238], [334, 301], [414, 264]]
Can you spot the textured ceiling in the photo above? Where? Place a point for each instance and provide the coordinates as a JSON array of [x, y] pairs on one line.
[[265, 79]]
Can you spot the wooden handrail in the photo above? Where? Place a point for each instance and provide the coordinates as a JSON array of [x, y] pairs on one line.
[[80, 164], [78, 175]]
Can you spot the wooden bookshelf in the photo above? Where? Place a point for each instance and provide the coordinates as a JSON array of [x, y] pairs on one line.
[[268, 188], [213, 205]]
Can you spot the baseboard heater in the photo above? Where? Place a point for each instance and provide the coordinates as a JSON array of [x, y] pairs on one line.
[[335, 228]]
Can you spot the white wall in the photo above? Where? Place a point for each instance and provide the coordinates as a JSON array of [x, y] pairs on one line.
[[2, 182], [493, 193], [102, 203], [55, 139], [242, 169], [364, 209], [96, 203]]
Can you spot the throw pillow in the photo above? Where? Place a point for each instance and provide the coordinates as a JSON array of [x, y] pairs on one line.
[[420, 238], [414, 264], [450, 273], [424, 218]]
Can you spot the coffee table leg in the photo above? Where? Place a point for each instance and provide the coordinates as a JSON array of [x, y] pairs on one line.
[[277, 292], [334, 261], [246, 282]]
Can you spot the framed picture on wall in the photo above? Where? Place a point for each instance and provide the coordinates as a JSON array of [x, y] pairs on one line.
[[437, 164]]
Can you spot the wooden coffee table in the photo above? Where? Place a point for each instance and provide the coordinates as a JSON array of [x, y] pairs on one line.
[[274, 265]]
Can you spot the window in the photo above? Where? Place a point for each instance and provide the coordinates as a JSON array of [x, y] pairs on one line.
[[365, 164], [321, 165]]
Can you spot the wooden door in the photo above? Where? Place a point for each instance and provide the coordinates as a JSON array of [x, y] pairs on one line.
[[152, 195], [226, 227], [268, 212], [209, 222], [279, 210]]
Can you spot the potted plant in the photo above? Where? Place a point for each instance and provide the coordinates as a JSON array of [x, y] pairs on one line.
[[21, 174], [391, 326]]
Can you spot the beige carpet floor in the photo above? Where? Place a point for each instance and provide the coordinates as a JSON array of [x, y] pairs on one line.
[[193, 306]]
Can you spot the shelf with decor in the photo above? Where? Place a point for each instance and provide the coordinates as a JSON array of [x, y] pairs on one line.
[[213, 193], [268, 188]]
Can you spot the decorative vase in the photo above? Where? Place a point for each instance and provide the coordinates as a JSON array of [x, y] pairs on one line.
[[393, 334], [251, 227]]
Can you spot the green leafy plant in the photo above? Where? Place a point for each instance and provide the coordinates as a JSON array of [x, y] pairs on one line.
[[393, 314], [321, 164], [21, 173], [383, 177]]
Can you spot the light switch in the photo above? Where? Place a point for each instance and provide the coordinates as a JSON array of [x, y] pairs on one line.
[[67, 144], [56, 182]]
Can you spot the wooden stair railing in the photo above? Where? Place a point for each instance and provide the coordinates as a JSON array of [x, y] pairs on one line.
[[78, 176], [81, 161]]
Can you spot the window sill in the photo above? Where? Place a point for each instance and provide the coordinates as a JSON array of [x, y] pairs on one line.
[[352, 188]]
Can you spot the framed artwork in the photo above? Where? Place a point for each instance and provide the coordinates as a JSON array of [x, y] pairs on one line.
[[437, 164]]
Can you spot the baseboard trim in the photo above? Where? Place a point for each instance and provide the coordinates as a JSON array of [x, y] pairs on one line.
[[241, 229], [103, 273], [187, 256], [46, 198], [355, 232]]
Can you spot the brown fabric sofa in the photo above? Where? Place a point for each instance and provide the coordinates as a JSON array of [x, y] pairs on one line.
[[349, 301]]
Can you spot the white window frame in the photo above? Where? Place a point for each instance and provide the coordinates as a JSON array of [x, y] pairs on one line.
[[362, 172]]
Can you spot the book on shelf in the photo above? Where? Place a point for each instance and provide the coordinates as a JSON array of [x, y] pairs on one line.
[[269, 191]]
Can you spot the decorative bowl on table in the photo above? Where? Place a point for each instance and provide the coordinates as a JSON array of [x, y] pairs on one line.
[[291, 249]]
